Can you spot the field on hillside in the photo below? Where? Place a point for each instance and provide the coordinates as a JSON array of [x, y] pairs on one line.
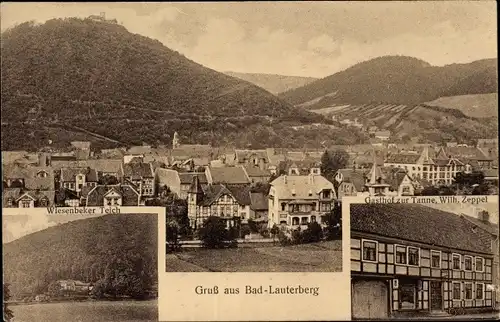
[[317, 257], [96, 311], [477, 105]]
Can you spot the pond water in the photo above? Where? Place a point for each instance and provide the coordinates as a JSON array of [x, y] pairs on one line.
[[96, 311]]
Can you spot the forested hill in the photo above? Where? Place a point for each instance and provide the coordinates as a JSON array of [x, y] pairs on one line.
[[95, 79], [396, 80], [119, 251]]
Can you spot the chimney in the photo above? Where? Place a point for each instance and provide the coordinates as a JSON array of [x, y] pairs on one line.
[[484, 216]]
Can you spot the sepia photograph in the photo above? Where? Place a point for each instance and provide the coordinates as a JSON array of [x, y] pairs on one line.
[[411, 261], [249, 124], [80, 267]]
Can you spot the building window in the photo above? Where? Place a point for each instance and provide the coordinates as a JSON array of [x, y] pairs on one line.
[[10, 202], [479, 264], [44, 202], [457, 292], [468, 291], [456, 261], [407, 293], [435, 259], [479, 291], [468, 263], [370, 250], [304, 221], [295, 220], [325, 207], [313, 218], [326, 194], [283, 205], [413, 256], [400, 254], [25, 203]]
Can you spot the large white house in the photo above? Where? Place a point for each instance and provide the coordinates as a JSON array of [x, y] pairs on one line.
[[295, 201], [438, 170]]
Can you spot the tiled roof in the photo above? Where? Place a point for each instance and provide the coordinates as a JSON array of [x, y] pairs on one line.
[[31, 176], [187, 177], [168, 177], [299, 187], [228, 175], [69, 174], [253, 171], [243, 155], [192, 150], [40, 194], [466, 153], [304, 166], [241, 193], [403, 158], [101, 165], [259, 201], [137, 170], [21, 157], [420, 224], [212, 192], [486, 226], [356, 177], [130, 197]]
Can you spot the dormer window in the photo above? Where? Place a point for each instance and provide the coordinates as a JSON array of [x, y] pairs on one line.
[[326, 194], [294, 171], [310, 193], [44, 202], [10, 202], [42, 174], [293, 192]]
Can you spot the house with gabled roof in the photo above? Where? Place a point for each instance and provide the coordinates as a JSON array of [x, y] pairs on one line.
[[259, 205], [229, 202], [141, 176], [351, 182], [110, 196], [76, 178], [22, 198], [296, 201], [254, 157], [413, 260]]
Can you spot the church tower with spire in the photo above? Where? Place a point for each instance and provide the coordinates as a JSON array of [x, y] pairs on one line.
[[175, 141]]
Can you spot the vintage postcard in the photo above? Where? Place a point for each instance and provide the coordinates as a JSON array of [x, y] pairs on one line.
[[249, 124], [80, 265], [424, 257]]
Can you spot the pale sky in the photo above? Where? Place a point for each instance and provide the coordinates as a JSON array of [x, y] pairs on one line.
[[305, 39]]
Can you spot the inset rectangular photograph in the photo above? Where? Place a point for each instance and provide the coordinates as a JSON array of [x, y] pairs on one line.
[[414, 261], [292, 224], [80, 267]]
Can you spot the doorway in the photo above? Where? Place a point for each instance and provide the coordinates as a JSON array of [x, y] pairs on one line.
[[436, 290], [370, 300]]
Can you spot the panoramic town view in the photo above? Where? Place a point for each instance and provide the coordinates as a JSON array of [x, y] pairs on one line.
[[250, 130]]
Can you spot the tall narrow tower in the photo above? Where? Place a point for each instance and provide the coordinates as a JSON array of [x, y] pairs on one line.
[[175, 141]]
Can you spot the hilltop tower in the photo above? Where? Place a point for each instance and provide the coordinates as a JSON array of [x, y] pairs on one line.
[[175, 141]]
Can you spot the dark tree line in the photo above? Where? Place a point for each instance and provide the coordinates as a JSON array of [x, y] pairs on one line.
[[117, 252]]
